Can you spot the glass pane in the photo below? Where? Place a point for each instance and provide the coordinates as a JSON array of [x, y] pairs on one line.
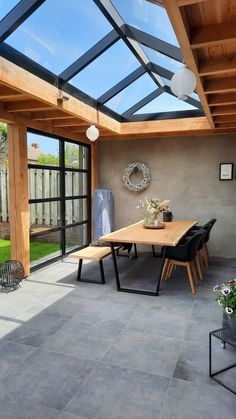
[[76, 236], [44, 183], [165, 103], [162, 60], [132, 94], [44, 247], [42, 150], [76, 183], [44, 216], [6, 6], [148, 17], [59, 32], [76, 156], [107, 70], [76, 210]]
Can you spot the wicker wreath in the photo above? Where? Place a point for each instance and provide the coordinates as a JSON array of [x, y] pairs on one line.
[[136, 187]]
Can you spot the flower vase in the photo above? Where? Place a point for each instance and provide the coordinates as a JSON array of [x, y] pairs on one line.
[[232, 325]]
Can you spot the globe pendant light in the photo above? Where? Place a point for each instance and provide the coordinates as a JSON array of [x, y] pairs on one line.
[[183, 83], [92, 133]]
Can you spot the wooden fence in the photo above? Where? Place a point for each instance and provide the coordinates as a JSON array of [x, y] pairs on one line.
[[46, 184]]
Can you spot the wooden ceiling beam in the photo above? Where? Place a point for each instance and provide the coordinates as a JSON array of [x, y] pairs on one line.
[[206, 36], [224, 118], [223, 110], [17, 78], [7, 92], [179, 22], [223, 85], [27, 106], [217, 65], [222, 99], [47, 116], [171, 125]]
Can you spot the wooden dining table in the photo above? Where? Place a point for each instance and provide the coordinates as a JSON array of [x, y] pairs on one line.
[[138, 234]]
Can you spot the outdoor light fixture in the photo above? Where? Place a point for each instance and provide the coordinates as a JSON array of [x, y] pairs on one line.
[[183, 83], [92, 133]]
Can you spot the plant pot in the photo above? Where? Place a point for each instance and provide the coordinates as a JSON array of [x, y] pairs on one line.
[[232, 326]]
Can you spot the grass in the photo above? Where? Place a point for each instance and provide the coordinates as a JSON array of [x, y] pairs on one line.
[[38, 250]]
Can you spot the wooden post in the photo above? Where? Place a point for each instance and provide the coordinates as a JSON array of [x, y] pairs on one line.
[[93, 180], [18, 194]]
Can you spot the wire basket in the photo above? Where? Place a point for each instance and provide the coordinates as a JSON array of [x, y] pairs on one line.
[[11, 274]]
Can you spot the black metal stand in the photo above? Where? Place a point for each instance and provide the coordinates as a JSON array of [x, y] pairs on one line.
[[155, 254], [225, 336], [132, 290], [118, 253], [88, 280]]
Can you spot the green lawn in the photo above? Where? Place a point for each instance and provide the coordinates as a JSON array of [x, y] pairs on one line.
[[38, 250]]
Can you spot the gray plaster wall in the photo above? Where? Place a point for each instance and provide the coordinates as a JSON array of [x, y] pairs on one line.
[[184, 170]]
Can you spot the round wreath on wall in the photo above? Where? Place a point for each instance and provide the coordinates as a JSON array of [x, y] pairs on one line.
[[137, 167]]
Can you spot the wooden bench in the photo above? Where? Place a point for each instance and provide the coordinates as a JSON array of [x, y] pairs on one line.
[[91, 253]]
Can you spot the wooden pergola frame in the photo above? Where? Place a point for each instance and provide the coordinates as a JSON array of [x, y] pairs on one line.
[[26, 101]]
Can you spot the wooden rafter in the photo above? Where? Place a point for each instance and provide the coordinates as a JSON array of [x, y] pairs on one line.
[[213, 35], [222, 99], [223, 85], [180, 25], [217, 65], [27, 105]]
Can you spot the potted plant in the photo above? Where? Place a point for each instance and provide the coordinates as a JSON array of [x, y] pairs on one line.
[[152, 208], [227, 298]]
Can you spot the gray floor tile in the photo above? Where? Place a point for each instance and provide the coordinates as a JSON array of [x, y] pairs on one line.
[[25, 409], [67, 415], [12, 353], [186, 400], [143, 352], [89, 341], [115, 393], [46, 378], [35, 331]]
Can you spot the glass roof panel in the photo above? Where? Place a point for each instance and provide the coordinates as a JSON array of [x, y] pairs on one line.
[[165, 103], [103, 73], [6, 6], [132, 94], [162, 60], [147, 17], [59, 32]]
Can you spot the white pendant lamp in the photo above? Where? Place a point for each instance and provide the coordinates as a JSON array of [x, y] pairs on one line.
[[92, 133], [183, 83]]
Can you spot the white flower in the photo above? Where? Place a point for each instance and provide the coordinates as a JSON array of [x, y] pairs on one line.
[[229, 310], [226, 291], [220, 303]]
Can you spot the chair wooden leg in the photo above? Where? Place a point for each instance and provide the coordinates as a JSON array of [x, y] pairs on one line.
[[200, 261], [204, 253], [170, 269], [199, 267], [165, 270], [207, 253], [192, 264], [190, 277]]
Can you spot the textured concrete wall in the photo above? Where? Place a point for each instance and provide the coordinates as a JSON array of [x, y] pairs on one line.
[[184, 170]]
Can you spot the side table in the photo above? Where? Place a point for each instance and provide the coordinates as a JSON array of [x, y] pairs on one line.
[[225, 336]]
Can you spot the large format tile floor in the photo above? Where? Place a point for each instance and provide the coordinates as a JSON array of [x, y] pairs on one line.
[[85, 351]]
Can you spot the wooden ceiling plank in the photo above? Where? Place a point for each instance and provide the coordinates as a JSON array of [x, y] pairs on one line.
[[73, 122], [221, 99], [182, 124], [188, 2], [223, 85], [226, 125], [220, 33], [27, 106], [179, 23], [217, 65], [223, 110], [47, 116], [225, 118]]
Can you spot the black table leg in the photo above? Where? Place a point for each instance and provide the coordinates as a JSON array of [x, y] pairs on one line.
[[79, 270], [88, 280], [131, 290], [102, 271]]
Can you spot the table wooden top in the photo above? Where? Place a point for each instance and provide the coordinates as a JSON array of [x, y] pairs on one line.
[[137, 233]]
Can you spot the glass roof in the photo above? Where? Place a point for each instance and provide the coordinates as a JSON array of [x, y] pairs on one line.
[[132, 94], [147, 17], [6, 6], [58, 34], [106, 70], [165, 103], [55, 36]]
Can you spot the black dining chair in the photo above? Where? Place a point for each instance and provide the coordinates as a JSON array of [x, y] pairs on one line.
[[183, 254]]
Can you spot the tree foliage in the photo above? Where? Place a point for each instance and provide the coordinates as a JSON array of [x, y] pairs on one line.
[[3, 142], [71, 157]]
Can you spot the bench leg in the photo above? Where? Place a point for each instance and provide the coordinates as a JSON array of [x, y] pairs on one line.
[[79, 270], [102, 271], [88, 280]]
